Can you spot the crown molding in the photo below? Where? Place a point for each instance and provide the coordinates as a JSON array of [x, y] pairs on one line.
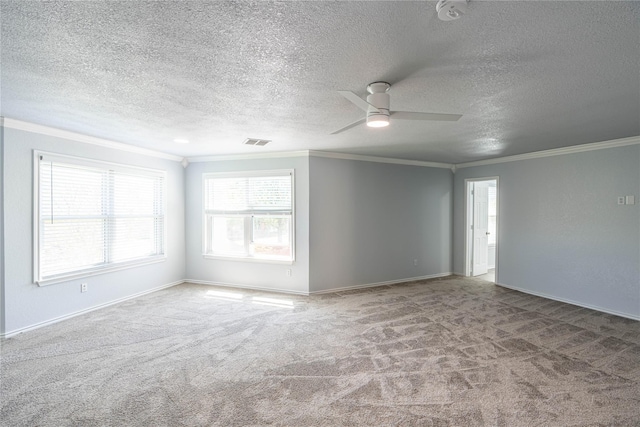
[[73, 136], [315, 153], [344, 156], [46, 130], [269, 155], [622, 142]]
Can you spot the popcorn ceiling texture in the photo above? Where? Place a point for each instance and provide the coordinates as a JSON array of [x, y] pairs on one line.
[[526, 76]]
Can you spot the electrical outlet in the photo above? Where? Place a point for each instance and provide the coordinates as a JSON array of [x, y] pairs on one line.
[[415, 262], [289, 272], [83, 287], [621, 200]]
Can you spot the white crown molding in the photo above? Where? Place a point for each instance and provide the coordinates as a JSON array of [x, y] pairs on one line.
[[555, 152], [45, 130], [269, 155], [344, 156], [73, 136], [315, 153]]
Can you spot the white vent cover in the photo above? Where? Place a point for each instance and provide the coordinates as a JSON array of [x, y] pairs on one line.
[[256, 141]]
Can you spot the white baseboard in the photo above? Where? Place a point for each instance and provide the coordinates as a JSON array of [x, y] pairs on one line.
[[240, 286], [87, 310], [389, 282], [324, 291], [568, 301]]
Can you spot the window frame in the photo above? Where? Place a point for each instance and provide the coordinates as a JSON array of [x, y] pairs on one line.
[[106, 267], [207, 236]]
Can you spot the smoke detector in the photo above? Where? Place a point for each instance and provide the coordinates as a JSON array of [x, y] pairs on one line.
[[450, 10]]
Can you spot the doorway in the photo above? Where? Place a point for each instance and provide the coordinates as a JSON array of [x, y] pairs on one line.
[[481, 228]]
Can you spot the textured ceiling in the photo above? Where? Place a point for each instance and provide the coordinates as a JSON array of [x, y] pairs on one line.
[[525, 75]]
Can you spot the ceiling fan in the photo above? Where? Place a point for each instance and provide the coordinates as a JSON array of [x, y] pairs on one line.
[[377, 108]]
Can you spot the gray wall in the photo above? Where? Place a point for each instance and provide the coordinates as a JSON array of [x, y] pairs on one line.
[[248, 274], [2, 181], [370, 221], [26, 303], [561, 233]]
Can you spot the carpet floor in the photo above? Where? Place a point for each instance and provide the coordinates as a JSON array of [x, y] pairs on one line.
[[443, 352]]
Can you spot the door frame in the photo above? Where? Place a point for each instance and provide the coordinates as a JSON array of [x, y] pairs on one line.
[[468, 219]]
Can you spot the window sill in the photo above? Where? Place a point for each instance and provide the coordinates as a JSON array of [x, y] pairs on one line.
[[98, 270], [248, 259]]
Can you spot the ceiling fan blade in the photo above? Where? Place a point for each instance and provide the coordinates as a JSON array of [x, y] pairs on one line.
[[349, 126], [409, 115], [359, 102]]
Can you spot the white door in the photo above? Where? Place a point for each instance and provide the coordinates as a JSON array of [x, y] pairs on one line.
[[480, 231]]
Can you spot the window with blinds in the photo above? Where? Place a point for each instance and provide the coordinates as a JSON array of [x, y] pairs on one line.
[[93, 216], [249, 215]]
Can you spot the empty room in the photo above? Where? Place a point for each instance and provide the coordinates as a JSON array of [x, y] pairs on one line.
[[319, 213]]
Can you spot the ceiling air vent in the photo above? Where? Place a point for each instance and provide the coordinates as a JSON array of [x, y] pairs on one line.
[[255, 141]]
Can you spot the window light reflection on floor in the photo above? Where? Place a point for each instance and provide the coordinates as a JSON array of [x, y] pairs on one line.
[[274, 302], [224, 295]]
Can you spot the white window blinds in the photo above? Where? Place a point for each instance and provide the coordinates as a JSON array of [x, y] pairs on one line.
[[93, 216], [245, 194], [249, 215]]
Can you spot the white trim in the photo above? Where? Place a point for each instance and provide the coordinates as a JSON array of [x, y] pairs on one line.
[[344, 156], [74, 136], [325, 291], [111, 266], [373, 285], [249, 173], [623, 142], [248, 259], [465, 209], [454, 167], [242, 174], [89, 162], [99, 270], [240, 286], [568, 301], [87, 310], [315, 153], [224, 158], [35, 226]]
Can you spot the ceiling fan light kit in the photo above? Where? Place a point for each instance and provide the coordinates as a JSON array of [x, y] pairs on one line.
[[450, 10], [377, 120]]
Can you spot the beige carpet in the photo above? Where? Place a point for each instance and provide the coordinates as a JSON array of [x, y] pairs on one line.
[[447, 352]]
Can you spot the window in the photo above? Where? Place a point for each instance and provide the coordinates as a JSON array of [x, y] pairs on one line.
[[249, 215], [92, 216]]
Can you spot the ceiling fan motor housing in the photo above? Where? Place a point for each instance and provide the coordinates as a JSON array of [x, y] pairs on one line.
[[378, 98]]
